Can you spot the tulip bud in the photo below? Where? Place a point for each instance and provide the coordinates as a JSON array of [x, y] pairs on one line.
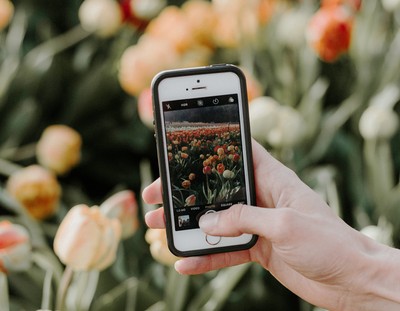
[[145, 108], [159, 248], [291, 28], [59, 148], [122, 206], [36, 189], [6, 13], [391, 5], [86, 239], [288, 130], [15, 247], [381, 234], [147, 9], [228, 174], [263, 113], [378, 122], [104, 17]]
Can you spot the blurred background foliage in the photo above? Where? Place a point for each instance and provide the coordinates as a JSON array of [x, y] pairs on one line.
[[326, 108]]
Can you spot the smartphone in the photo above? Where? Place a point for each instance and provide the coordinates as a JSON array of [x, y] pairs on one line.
[[204, 153]]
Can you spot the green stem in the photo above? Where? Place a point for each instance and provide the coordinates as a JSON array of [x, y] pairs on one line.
[[8, 168], [55, 45], [87, 285], [176, 291], [63, 288], [47, 293], [5, 305]]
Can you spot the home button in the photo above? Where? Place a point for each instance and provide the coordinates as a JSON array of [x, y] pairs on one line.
[[213, 240]]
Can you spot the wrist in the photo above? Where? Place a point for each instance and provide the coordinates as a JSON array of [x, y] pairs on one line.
[[377, 285]]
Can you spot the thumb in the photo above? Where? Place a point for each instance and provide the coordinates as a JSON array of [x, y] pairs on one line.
[[239, 219]]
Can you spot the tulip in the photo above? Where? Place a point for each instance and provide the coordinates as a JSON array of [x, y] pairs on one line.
[[147, 9], [59, 148], [207, 170], [329, 32], [159, 248], [288, 130], [6, 13], [103, 17], [382, 234], [378, 122], [186, 184], [263, 113], [220, 168], [190, 200], [228, 174], [353, 4], [145, 108], [124, 207], [15, 247], [391, 5], [86, 239], [36, 189]]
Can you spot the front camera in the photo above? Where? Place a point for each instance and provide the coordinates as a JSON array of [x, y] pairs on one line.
[[198, 81]]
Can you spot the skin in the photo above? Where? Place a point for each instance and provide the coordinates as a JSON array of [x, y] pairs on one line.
[[301, 242]]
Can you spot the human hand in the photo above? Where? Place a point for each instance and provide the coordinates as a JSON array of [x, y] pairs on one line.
[[301, 241]]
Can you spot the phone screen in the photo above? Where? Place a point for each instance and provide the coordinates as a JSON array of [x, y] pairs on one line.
[[205, 160]]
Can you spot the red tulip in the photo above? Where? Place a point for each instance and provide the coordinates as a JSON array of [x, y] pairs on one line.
[[329, 32]]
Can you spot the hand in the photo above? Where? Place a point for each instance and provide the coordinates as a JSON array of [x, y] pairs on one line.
[[301, 241]]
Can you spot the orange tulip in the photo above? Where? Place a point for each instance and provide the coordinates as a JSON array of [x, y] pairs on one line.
[[329, 32], [36, 189], [15, 247], [86, 239], [59, 148], [124, 207], [353, 4]]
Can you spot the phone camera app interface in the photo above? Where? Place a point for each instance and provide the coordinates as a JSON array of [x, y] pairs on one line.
[[204, 156]]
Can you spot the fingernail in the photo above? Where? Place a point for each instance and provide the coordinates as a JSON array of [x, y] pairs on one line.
[[208, 221]]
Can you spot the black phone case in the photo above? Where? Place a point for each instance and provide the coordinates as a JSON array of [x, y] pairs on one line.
[[161, 154]]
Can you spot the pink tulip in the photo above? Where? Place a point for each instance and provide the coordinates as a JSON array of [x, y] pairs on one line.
[[124, 207], [86, 239], [15, 247]]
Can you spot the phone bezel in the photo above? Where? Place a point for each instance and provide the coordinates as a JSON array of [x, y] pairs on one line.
[[193, 83]]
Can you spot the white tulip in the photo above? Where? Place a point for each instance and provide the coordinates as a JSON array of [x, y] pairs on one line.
[[104, 17], [263, 113], [378, 122]]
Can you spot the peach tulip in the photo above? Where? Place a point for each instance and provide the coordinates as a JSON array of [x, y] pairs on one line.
[[15, 247], [124, 207], [145, 108], [159, 248], [37, 189], [86, 239], [59, 148], [6, 13]]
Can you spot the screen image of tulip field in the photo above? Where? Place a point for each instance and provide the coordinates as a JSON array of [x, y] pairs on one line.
[[205, 161]]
